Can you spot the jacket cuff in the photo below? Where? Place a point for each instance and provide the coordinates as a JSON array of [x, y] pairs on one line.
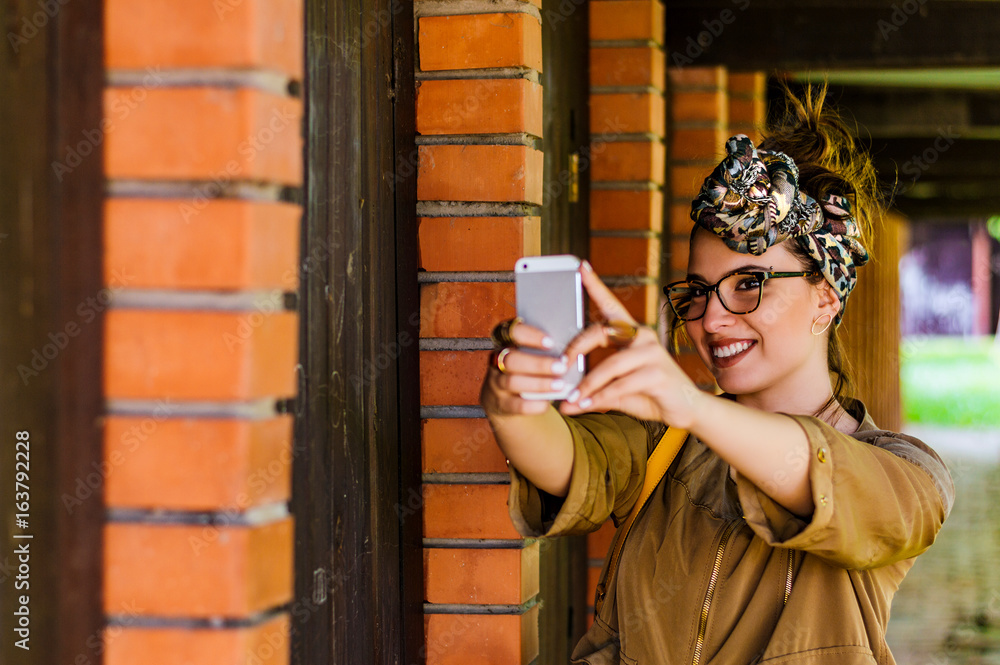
[[536, 513], [775, 524]]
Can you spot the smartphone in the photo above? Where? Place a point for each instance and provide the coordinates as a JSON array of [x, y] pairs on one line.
[[550, 297]]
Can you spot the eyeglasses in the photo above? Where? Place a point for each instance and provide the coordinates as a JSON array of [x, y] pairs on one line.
[[739, 293]]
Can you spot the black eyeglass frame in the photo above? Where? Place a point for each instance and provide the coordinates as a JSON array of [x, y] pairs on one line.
[[762, 275]]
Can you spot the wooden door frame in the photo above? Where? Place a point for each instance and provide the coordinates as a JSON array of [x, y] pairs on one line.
[[358, 561], [52, 74]]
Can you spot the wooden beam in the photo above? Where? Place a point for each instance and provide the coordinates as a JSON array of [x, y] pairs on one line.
[[768, 35]]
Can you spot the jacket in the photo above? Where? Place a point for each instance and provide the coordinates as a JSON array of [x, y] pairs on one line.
[[716, 572]]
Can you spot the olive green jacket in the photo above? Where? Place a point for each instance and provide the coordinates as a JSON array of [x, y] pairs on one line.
[[716, 572]]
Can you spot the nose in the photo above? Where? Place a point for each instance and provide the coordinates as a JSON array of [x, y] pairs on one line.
[[716, 316]]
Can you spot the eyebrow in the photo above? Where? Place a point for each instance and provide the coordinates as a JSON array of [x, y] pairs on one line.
[[750, 266]]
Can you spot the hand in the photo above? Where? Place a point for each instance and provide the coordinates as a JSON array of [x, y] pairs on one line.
[[640, 379], [523, 372]]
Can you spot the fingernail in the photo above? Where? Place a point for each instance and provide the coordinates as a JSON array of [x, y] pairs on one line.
[[584, 403], [557, 384], [559, 367], [587, 266], [547, 342], [573, 396]]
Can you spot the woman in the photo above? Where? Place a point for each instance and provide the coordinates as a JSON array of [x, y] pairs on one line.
[[788, 519]]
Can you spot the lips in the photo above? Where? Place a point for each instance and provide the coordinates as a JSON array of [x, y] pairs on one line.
[[728, 352]]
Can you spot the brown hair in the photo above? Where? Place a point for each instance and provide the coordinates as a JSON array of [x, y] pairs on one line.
[[830, 161]]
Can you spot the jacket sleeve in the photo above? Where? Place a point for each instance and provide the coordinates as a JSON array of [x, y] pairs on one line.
[[876, 502], [609, 463]]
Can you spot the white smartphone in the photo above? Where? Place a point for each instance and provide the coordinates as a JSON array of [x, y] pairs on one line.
[[550, 297]]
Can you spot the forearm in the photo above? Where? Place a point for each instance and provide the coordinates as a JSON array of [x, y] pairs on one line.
[[539, 446], [768, 449]]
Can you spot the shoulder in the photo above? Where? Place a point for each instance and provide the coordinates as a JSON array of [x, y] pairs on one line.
[[918, 453]]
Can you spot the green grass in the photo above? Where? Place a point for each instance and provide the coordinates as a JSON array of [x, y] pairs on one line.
[[951, 381]]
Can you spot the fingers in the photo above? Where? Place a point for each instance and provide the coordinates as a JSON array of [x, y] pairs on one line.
[[632, 393], [524, 371], [530, 336], [610, 308], [595, 336]]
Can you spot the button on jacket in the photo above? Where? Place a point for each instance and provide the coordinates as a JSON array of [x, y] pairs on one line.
[[716, 572]]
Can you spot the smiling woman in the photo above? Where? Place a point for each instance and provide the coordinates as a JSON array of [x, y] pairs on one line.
[[788, 518]]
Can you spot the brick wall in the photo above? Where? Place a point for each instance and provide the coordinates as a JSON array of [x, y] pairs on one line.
[[201, 137], [479, 190]]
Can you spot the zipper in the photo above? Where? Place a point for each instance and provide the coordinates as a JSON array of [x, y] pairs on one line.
[[716, 568], [788, 577]]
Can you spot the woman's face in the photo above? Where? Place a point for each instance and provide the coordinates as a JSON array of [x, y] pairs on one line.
[[771, 346]]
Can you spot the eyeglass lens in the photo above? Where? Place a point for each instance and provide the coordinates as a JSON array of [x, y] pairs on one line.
[[739, 293]]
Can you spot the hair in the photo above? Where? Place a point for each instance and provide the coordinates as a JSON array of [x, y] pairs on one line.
[[830, 161]]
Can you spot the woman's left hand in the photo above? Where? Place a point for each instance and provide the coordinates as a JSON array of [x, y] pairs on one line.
[[640, 379]]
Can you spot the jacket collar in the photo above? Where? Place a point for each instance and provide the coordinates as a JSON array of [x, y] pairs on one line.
[[855, 407]]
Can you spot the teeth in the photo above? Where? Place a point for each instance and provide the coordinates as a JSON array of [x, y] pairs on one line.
[[731, 350]]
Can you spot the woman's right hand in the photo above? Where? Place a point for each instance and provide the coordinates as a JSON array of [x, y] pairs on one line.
[[523, 372]]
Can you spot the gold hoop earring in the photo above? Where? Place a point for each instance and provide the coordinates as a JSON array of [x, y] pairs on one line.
[[828, 322]]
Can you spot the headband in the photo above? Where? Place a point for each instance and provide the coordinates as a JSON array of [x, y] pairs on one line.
[[752, 201]]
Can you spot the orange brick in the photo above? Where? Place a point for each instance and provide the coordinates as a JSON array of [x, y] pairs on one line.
[[747, 111], [209, 245], [452, 377], [618, 209], [203, 133], [460, 445], [697, 77], [467, 511], [698, 144], [639, 257], [494, 639], [641, 300], [477, 243], [628, 66], [197, 463], [747, 83], [476, 41], [250, 34], [680, 251], [629, 160], [626, 19], [628, 113], [593, 578], [267, 643], [599, 542], [479, 106], [686, 180], [480, 173], [196, 355], [692, 364], [465, 309], [481, 576], [680, 219], [699, 105], [172, 570]]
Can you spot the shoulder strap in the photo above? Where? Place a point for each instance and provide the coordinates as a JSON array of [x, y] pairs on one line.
[[656, 467]]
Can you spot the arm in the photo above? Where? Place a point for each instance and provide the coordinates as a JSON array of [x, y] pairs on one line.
[[539, 446], [876, 502]]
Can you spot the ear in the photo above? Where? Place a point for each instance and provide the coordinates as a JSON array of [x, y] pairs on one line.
[[828, 301]]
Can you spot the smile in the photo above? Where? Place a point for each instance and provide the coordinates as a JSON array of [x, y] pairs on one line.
[[730, 349]]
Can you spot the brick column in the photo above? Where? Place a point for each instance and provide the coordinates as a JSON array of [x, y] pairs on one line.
[[628, 126], [699, 126], [479, 190], [201, 137], [747, 103]]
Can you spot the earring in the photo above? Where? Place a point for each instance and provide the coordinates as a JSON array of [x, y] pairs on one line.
[[828, 322]]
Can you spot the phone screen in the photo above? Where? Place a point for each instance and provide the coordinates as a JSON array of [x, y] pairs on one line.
[[550, 297]]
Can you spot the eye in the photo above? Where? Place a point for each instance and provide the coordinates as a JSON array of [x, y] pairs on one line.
[[697, 290], [748, 282]]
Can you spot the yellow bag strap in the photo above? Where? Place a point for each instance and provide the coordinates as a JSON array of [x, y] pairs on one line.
[[656, 467]]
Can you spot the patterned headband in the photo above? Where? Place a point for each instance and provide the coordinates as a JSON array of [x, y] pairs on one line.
[[752, 201]]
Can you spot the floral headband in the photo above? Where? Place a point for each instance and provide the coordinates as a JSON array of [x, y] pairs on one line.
[[752, 201]]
